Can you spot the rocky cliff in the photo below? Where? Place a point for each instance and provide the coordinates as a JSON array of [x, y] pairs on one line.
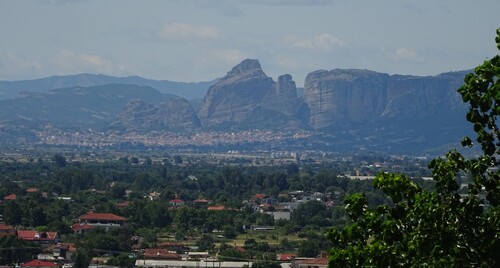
[[340, 99], [247, 97], [172, 114]]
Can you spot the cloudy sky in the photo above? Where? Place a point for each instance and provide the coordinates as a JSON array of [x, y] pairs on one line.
[[190, 40]]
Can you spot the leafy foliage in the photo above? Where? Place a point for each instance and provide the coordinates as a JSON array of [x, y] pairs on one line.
[[441, 227]]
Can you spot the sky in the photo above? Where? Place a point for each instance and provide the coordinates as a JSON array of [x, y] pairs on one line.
[[200, 40]]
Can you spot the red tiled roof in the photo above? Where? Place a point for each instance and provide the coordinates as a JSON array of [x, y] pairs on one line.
[[10, 197], [176, 201], [6, 230], [123, 204], [81, 226], [6, 227], [287, 256], [322, 261], [39, 263], [68, 246], [260, 196], [33, 235], [200, 201], [32, 190], [101, 216], [216, 208], [160, 253]]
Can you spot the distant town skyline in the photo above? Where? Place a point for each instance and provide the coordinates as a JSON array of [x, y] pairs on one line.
[[195, 40]]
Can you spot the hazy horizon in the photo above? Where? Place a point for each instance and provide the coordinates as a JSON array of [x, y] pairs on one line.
[[194, 41]]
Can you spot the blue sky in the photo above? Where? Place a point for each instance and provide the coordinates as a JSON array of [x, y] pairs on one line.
[[189, 40]]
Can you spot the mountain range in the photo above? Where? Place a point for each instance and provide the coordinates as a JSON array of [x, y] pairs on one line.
[[345, 109]]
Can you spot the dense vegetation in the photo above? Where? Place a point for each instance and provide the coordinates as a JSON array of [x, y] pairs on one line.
[[122, 185], [444, 227]]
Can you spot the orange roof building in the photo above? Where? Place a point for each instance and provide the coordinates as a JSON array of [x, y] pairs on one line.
[[318, 262], [39, 264], [106, 220], [104, 217], [7, 230], [161, 253], [216, 208], [38, 237], [80, 228], [10, 197]]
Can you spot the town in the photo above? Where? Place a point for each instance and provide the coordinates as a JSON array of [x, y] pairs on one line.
[[155, 209]]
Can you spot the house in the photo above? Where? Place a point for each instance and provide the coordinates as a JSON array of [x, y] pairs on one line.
[[286, 256], [7, 230], [123, 204], [161, 254], [31, 190], [104, 220], [280, 215], [216, 208], [173, 246], [39, 264], [10, 197], [312, 263], [154, 196], [81, 228], [176, 203], [41, 238], [201, 202], [64, 250], [192, 264]]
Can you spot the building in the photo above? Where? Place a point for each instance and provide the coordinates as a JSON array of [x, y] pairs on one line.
[[39, 264], [175, 203], [81, 228], [64, 251], [161, 254], [103, 220], [7, 230], [41, 238], [10, 197], [312, 263], [190, 264]]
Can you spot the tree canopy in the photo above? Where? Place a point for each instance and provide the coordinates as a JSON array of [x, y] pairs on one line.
[[440, 227]]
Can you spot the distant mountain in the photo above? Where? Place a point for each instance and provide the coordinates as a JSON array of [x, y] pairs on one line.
[[94, 106], [344, 109], [171, 114], [384, 110], [11, 89]]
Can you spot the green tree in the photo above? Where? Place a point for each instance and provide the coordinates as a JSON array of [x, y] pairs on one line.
[[59, 160], [206, 242], [81, 258], [440, 227], [13, 249]]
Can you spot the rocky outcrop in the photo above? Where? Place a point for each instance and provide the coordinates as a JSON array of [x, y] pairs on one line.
[[173, 114], [247, 95], [350, 98]]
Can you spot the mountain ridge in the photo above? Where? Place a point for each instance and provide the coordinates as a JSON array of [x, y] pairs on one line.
[[342, 108]]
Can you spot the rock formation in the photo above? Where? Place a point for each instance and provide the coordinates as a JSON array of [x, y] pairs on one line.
[[350, 98], [247, 95], [174, 114]]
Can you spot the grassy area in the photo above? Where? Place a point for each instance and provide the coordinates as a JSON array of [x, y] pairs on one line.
[[272, 238]]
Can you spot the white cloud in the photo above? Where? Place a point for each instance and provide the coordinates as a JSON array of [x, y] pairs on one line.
[[229, 56], [70, 62], [404, 55], [14, 67], [186, 30], [324, 41]]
